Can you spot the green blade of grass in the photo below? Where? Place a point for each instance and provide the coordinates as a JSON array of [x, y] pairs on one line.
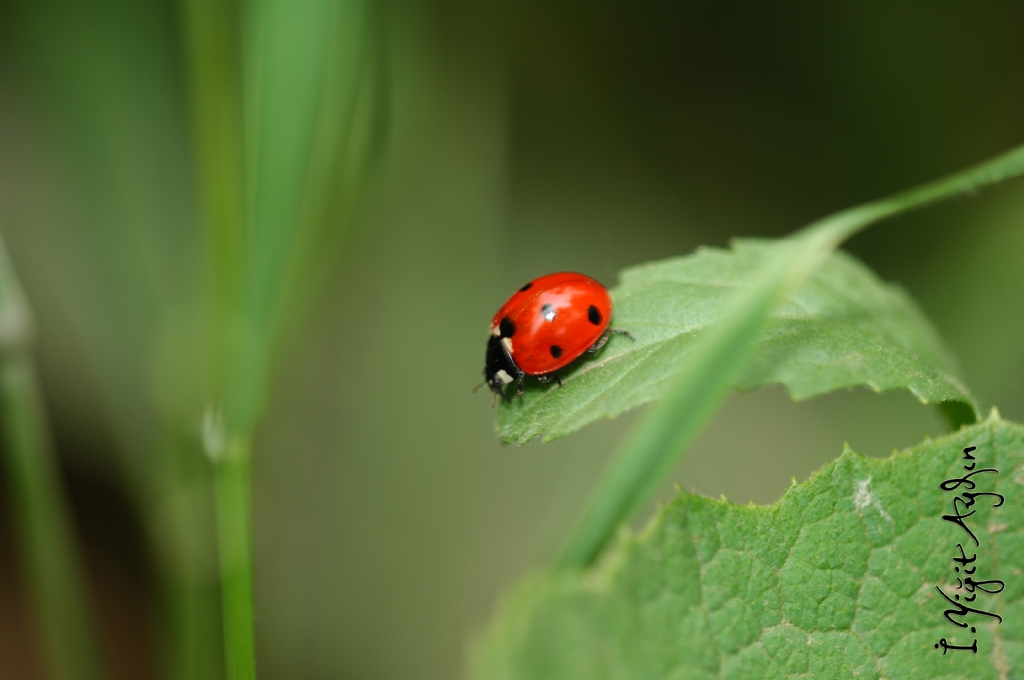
[[234, 530], [351, 130], [185, 526], [286, 48], [50, 559], [213, 46], [719, 358], [296, 88]]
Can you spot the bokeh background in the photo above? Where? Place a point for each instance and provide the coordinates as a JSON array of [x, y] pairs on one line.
[[522, 138]]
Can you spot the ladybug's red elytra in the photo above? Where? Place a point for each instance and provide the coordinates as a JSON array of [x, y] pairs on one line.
[[544, 326]]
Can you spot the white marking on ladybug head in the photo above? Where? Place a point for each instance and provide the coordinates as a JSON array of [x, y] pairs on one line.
[[504, 377], [495, 331], [508, 344]]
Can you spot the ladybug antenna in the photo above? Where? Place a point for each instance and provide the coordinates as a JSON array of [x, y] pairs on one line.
[[494, 398], [479, 386]]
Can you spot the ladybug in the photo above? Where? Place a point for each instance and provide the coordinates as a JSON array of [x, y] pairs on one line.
[[545, 326]]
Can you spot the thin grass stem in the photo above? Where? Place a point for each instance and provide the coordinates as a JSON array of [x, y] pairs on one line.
[[234, 533], [50, 558]]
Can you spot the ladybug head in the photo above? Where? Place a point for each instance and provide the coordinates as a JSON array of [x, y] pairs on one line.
[[500, 368]]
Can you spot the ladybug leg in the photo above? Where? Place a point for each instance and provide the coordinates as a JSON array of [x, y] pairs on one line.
[[622, 332], [607, 334], [519, 384], [600, 342], [547, 378]]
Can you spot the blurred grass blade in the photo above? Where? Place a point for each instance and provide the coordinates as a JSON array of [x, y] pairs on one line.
[[293, 101], [52, 565], [286, 48], [719, 358], [349, 138], [185, 527], [213, 44], [313, 103], [234, 512]]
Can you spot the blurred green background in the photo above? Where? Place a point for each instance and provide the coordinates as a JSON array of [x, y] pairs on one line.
[[521, 139]]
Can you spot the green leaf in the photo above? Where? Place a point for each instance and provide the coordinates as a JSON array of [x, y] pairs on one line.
[[842, 328], [837, 579], [721, 355]]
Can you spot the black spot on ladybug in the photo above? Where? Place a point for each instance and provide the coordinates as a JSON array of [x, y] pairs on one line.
[[556, 351], [548, 312], [526, 287], [594, 314], [506, 328]]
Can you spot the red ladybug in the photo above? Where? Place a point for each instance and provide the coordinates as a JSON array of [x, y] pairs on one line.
[[544, 326]]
